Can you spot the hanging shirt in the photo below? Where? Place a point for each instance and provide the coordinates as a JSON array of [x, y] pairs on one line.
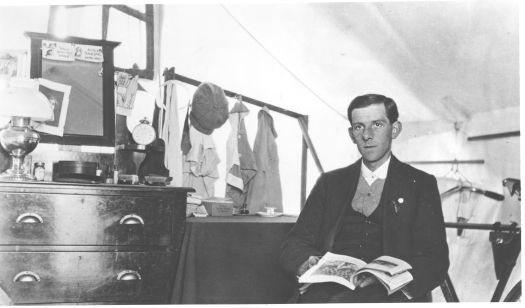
[[200, 164], [265, 189], [240, 161], [169, 131]]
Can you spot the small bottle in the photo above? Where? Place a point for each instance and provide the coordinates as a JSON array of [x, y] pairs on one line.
[[109, 176], [39, 171], [115, 174], [99, 170], [244, 209]]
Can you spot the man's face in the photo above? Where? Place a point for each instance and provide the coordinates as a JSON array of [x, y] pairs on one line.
[[372, 132]]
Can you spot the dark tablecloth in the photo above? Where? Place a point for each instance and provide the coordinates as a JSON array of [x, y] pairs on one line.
[[233, 260]]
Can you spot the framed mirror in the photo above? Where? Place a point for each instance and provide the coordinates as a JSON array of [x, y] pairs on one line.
[[79, 73]]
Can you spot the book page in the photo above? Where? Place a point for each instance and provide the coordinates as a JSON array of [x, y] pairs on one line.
[[389, 265], [391, 283], [333, 268]]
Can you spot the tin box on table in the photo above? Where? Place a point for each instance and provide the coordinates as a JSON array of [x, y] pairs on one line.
[[218, 206]]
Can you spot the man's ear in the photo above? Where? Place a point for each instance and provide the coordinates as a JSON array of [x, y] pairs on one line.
[[351, 135], [396, 129]]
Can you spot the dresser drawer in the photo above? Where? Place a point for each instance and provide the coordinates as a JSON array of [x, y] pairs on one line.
[[70, 277], [68, 219]]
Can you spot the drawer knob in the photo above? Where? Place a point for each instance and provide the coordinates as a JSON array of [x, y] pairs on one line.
[[131, 219], [29, 218], [26, 276], [129, 275]]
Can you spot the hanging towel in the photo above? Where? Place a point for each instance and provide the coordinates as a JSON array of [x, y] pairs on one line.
[[169, 131], [185, 143], [200, 164], [240, 161], [265, 188]]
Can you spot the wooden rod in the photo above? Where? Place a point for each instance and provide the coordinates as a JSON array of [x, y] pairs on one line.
[[306, 137], [494, 136], [474, 226], [246, 99], [304, 167], [448, 290], [130, 11]]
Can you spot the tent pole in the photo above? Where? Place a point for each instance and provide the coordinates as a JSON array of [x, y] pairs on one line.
[[306, 137], [304, 166]]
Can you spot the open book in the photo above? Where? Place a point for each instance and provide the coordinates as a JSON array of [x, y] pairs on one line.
[[391, 272]]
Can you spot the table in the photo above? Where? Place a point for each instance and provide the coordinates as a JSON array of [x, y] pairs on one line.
[[233, 260]]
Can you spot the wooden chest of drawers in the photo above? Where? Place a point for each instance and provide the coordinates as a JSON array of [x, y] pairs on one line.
[[81, 243]]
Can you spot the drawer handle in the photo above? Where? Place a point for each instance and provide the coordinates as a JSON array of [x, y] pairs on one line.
[[129, 275], [29, 218], [132, 219], [26, 276]]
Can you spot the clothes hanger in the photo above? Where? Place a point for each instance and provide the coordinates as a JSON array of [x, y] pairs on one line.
[[470, 188], [464, 184], [514, 187]]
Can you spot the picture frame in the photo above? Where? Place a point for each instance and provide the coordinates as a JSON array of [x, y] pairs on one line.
[[13, 63], [58, 96], [91, 111]]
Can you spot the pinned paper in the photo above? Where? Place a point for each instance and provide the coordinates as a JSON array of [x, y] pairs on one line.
[[61, 51], [89, 53], [126, 87]]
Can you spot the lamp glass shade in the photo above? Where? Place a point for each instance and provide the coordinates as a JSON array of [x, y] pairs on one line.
[[25, 102]]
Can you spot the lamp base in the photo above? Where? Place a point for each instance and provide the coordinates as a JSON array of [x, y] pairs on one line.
[[11, 175], [18, 139]]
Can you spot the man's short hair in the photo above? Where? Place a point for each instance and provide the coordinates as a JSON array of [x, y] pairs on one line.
[[369, 99]]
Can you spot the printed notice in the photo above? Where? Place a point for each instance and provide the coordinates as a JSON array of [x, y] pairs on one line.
[[61, 51], [89, 53]]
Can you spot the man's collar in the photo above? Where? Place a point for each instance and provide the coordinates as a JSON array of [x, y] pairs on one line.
[[379, 173]]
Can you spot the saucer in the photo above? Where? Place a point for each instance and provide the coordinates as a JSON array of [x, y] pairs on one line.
[[275, 214]]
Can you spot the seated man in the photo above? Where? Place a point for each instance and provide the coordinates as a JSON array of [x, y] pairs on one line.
[[376, 206]]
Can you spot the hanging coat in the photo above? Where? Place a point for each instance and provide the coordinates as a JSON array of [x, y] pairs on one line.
[[169, 131], [240, 161], [265, 189], [200, 164]]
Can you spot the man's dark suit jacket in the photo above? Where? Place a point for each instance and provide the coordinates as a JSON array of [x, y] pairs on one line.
[[414, 233]]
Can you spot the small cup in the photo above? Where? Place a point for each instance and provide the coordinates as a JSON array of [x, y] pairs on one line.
[[270, 210]]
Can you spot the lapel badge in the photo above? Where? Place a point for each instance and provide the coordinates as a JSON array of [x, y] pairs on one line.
[[397, 204]]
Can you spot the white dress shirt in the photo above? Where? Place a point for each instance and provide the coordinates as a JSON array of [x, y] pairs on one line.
[[379, 173]]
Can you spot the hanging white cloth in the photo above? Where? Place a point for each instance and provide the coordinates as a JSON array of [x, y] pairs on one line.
[[233, 175], [240, 161], [201, 164], [169, 130]]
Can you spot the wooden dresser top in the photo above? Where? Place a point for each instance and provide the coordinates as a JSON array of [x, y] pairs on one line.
[[99, 189]]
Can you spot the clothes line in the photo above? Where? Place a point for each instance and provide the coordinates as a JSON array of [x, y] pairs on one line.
[[453, 161], [246, 99], [300, 117]]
